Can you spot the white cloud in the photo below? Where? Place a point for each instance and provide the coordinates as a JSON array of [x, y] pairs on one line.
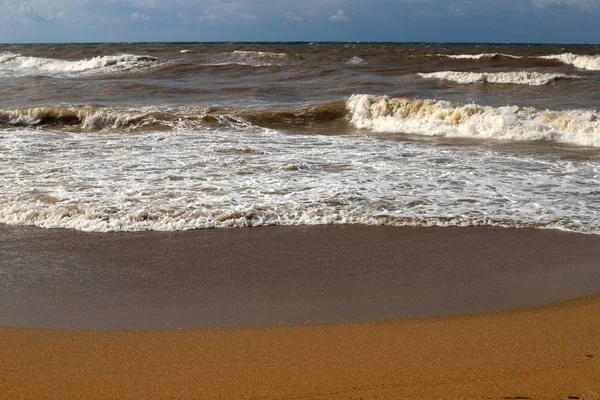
[[209, 17], [139, 17], [144, 3], [171, 4], [582, 4], [225, 11], [292, 16], [339, 16], [15, 11]]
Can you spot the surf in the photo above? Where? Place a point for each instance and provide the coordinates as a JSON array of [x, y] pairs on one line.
[[18, 65], [443, 118], [528, 78]]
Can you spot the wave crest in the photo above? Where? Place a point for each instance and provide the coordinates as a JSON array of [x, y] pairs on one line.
[[478, 56], [356, 60], [443, 118], [18, 65], [250, 58], [90, 118], [113, 119], [588, 62], [530, 78]]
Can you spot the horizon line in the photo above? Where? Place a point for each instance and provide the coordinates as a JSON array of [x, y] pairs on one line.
[[308, 42]]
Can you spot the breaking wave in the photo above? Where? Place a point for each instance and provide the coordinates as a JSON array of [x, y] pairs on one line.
[[250, 58], [478, 56], [18, 65], [377, 113], [579, 61], [515, 78], [95, 119], [582, 61], [111, 119], [356, 61], [444, 118]]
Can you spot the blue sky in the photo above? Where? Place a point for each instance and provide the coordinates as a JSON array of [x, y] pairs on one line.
[[564, 21]]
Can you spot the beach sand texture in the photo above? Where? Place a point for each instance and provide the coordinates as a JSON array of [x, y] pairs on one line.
[[543, 353]]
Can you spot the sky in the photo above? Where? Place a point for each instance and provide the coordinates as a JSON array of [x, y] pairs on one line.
[[523, 21]]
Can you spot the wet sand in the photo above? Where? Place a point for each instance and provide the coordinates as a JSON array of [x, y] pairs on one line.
[[283, 275], [222, 285]]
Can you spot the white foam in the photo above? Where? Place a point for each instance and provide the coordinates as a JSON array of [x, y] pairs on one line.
[[478, 56], [18, 65], [356, 61], [530, 78], [443, 118], [108, 119], [250, 58], [5, 57], [249, 53], [200, 179], [590, 62]]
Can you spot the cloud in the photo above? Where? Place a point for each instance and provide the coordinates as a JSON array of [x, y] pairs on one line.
[[292, 16], [144, 3], [139, 17], [25, 12], [226, 11], [209, 17], [339, 16], [582, 4]]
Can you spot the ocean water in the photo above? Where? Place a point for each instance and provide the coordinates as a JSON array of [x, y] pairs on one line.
[[128, 137]]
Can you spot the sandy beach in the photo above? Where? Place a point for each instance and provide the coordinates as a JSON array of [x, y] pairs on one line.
[[543, 353], [331, 312]]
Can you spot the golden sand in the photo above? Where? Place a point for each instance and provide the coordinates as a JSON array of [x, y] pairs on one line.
[[541, 353]]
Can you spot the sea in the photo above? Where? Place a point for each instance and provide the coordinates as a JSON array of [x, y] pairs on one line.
[[111, 137]]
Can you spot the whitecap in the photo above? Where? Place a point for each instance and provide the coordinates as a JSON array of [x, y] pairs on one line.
[[531, 78], [444, 118], [18, 65], [356, 61], [478, 56], [588, 62]]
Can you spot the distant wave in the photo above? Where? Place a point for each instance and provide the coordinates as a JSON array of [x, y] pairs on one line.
[[356, 61], [18, 65], [443, 118], [250, 58], [478, 56], [515, 78], [580, 61]]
